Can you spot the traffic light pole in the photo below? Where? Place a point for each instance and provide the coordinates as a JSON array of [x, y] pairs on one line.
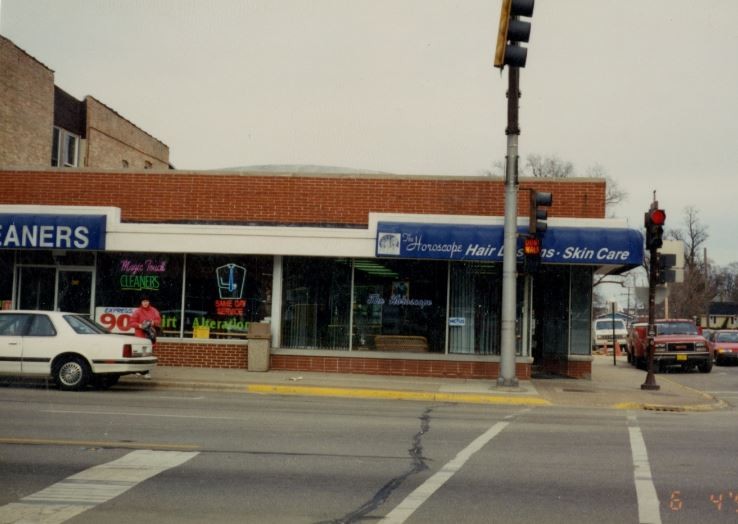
[[507, 375], [654, 221], [650, 382]]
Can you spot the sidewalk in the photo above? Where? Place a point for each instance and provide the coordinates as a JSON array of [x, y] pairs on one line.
[[612, 386]]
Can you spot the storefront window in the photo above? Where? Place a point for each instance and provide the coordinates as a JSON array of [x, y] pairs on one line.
[[6, 279], [122, 278], [581, 310], [399, 305], [224, 293], [551, 297], [315, 304], [474, 308]]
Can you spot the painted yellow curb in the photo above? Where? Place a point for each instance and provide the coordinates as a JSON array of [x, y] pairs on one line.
[[718, 404], [396, 395]]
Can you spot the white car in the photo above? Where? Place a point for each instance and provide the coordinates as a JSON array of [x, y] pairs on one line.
[[69, 347]]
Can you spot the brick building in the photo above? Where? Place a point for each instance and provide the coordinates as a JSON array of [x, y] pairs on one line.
[[43, 126], [363, 273]]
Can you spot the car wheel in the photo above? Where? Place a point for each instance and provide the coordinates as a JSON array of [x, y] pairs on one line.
[[72, 374], [105, 381], [705, 367]]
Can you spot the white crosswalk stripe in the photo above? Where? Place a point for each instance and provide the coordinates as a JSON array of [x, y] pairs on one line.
[[86, 489]]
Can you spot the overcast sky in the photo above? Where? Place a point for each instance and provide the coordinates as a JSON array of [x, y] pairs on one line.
[[648, 89]]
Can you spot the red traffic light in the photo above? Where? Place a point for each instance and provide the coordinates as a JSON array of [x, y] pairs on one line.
[[532, 246], [658, 217]]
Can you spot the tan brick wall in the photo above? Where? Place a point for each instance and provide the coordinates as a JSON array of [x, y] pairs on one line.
[[289, 198], [111, 139], [26, 108]]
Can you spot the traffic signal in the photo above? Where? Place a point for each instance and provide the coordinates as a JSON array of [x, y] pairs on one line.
[[532, 252], [664, 265], [537, 219], [532, 246], [513, 31], [654, 223]]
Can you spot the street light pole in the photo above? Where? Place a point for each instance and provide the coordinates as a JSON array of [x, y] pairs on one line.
[[511, 32], [507, 375]]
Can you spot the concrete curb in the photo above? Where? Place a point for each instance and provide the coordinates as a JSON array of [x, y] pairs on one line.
[[718, 404], [387, 394], [432, 396], [321, 391]]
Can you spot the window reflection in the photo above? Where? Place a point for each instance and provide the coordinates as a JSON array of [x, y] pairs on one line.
[[315, 303], [399, 305]]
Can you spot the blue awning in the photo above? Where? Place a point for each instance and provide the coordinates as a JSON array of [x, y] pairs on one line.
[[561, 245]]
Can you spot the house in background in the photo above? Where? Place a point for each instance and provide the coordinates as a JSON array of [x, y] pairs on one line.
[[721, 315], [41, 125]]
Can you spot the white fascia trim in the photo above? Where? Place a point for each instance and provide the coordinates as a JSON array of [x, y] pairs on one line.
[[252, 240]]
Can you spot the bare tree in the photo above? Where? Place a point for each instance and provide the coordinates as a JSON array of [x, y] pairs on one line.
[[726, 282], [614, 193], [690, 298], [693, 236], [551, 166], [547, 167]]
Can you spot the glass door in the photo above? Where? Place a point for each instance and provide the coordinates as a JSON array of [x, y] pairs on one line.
[[74, 291], [36, 287], [52, 288]]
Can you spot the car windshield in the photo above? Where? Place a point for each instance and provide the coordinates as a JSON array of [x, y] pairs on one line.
[[85, 326], [676, 328], [608, 324], [727, 337]]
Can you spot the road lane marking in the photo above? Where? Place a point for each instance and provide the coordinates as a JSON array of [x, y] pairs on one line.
[[86, 489], [98, 443], [423, 492], [648, 499]]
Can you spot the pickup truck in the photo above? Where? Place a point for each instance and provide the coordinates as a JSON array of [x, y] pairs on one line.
[[677, 343]]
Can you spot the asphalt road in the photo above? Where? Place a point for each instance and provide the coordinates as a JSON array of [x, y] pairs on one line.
[[721, 382], [174, 457]]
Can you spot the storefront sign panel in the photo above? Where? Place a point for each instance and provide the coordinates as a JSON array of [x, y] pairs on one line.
[[562, 245], [72, 232]]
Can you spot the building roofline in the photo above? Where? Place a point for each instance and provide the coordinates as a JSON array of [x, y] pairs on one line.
[[124, 118], [26, 52]]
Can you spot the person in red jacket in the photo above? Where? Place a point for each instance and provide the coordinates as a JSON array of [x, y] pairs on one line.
[[145, 321]]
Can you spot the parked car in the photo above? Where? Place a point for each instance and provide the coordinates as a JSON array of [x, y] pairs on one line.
[[71, 348], [724, 344]]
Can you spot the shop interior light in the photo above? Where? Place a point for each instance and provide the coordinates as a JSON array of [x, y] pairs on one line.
[[374, 268]]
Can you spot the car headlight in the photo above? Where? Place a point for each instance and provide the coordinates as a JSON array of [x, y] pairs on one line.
[[660, 346], [700, 345]]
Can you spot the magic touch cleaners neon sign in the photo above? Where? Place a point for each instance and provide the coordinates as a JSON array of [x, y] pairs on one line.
[[73, 232], [562, 245]]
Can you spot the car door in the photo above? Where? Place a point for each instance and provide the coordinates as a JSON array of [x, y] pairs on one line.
[[12, 326], [40, 345]]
